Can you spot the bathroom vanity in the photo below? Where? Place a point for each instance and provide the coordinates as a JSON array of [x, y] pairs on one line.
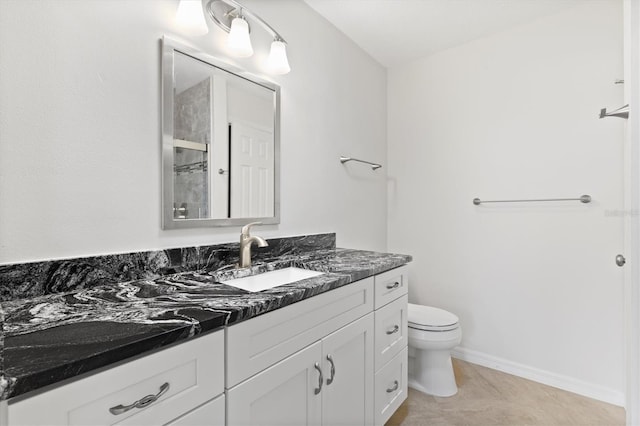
[[164, 338], [185, 349]]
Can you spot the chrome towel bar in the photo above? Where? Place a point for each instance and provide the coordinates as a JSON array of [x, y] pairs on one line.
[[583, 199], [374, 166]]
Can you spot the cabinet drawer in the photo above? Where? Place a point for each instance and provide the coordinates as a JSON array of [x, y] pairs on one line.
[[390, 387], [259, 343], [390, 285], [210, 414], [391, 330], [192, 373]]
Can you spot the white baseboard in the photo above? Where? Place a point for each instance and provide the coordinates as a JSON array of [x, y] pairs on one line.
[[541, 376]]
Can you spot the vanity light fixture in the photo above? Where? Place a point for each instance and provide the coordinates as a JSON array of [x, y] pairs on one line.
[[190, 18], [277, 62], [239, 42], [234, 18]]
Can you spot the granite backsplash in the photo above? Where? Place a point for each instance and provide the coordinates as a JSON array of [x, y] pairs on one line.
[[28, 280]]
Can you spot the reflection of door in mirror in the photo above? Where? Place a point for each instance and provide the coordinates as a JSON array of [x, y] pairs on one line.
[[251, 171], [251, 150], [192, 135]]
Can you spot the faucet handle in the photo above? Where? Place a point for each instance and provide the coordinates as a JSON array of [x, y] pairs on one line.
[[247, 227]]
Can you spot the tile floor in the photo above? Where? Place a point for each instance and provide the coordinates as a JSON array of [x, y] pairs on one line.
[[488, 398]]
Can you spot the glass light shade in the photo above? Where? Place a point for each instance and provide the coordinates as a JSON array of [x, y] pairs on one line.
[[277, 62], [190, 18], [239, 42]]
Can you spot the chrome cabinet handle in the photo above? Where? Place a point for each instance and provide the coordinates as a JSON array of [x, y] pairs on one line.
[[141, 403], [394, 388], [392, 286], [395, 330], [320, 379], [333, 370]]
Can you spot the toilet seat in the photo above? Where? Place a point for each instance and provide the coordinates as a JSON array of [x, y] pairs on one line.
[[428, 318]]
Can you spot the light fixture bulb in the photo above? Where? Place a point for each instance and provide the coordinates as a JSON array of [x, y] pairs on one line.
[[277, 62], [238, 41], [190, 18]]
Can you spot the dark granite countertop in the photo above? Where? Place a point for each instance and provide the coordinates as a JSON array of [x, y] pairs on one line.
[[57, 336]]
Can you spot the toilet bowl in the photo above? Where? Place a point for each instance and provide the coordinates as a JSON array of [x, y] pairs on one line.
[[433, 332]]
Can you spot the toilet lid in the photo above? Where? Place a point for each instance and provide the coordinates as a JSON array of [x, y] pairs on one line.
[[430, 318]]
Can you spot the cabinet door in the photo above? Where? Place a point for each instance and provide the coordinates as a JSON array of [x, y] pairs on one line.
[[284, 394], [347, 395]]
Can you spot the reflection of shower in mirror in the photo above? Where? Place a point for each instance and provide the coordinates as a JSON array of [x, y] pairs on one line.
[[191, 180], [181, 212]]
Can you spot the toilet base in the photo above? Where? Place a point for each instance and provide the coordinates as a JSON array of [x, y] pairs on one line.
[[431, 372]]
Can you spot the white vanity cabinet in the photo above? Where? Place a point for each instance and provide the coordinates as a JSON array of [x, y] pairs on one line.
[[391, 353], [323, 372], [279, 365], [181, 386]]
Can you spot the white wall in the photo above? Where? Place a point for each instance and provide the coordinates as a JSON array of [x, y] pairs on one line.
[[511, 116], [80, 128]]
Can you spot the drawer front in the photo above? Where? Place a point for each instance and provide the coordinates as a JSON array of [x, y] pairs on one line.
[[258, 343], [390, 285], [183, 376], [390, 387], [210, 414], [391, 330]]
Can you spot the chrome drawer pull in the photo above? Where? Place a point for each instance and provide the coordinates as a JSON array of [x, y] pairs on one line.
[[320, 379], [141, 403], [392, 286], [394, 388], [333, 370], [395, 330]]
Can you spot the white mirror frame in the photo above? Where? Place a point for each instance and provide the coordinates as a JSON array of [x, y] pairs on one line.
[[169, 46]]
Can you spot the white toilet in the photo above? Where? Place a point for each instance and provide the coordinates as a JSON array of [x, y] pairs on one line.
[[433, 333]]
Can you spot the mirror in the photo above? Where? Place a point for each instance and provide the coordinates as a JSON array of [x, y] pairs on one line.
[[220, 142]]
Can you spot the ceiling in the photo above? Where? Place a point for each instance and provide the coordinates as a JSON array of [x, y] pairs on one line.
[[398, 31]]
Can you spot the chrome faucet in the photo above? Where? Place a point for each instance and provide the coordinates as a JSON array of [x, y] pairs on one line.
[[246, 241]]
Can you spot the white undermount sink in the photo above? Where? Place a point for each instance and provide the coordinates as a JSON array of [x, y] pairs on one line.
[[271, 279]]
